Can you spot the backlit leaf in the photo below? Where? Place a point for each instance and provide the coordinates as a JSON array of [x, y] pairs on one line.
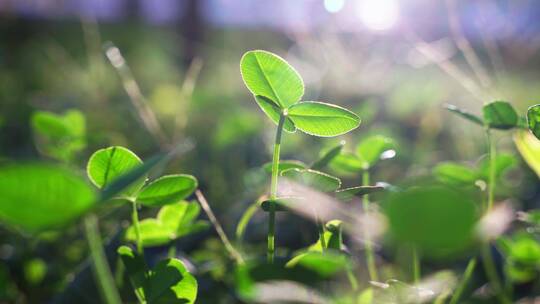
[[167, 189], [348, 194], [315, 179], [455, 174], [38, 196], [327, 157], [529, 148], [438, 220], [269, 75], [533, 120], [168, 282], [500, 115], [322, 119], [374, 148], [273, 112], [106, 165]]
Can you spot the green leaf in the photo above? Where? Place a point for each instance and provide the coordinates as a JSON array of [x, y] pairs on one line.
[[172, 222], [181, 218], [38, 196], [348, 194], [133, 177], [285, 165], [529, 148], [152, 233], [346, 163], [273, 112], [327, 157], [325, 264], [168, 282], [439, 220], [106, 165], [135, 269], [167, 189], [533, 120], [465, 114], [500, 115], [314, 179], [322, 119], [269, 75], [455, 174], [375, 148], [59, 136], [333, 235]]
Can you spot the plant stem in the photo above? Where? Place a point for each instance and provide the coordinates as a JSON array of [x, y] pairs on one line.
[[370, 256], [102, 273], [416, 266], [135, 221], [273, 189], [491, 272], [320, 226], [489, 264], [352, 279], [464, 281], [491, 177]]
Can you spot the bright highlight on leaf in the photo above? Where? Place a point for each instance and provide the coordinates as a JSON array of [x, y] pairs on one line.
[[106, 165], [37, 197], [500, 115], [533, 120], [167, 189]]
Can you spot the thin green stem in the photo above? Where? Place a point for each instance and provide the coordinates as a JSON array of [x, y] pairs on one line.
[[491, 177], [135, 222], [491, 272], [352, 279], [370, 256], [274, 188], [102, 272], [320, 226], [416, 266], [464, 281], [489, 264]]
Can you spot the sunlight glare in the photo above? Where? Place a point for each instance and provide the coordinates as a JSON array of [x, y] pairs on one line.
[[378, 15], [333, 6]]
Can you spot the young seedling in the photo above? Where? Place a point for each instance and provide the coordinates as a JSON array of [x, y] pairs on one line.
[[368, 153], [111, 166], [277, 88], [168, 282], [502, 116]]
